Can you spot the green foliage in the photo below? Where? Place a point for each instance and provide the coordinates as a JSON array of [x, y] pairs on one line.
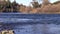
[[8, 6]]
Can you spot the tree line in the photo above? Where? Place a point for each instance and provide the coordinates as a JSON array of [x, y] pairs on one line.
[[44, 7]]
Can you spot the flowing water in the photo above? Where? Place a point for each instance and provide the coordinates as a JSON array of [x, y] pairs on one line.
[[30, 23]]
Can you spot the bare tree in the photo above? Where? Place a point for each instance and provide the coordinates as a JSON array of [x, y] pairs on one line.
[[35, 4]]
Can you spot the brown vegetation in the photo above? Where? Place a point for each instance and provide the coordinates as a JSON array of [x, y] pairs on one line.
[[51, 8], [48, 8]]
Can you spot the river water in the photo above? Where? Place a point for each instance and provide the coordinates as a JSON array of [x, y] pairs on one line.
[[31, 23], [37, 29], [34, 28]]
